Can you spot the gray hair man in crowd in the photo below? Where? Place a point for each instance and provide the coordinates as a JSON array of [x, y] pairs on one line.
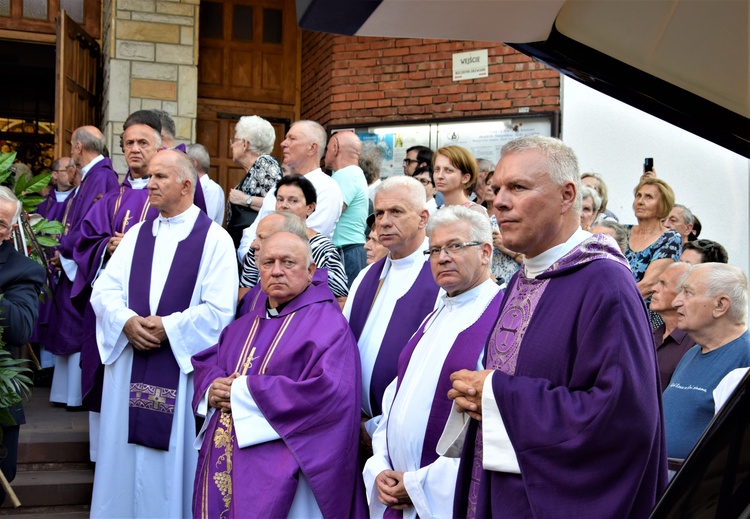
[[711, 306], [212, 192]]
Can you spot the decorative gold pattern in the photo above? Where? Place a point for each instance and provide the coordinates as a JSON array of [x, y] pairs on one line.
[[152, 398]]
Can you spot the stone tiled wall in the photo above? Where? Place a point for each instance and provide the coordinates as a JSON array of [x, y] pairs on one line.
[[150, 61]]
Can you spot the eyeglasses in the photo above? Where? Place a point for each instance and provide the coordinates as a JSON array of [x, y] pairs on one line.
[[409, 161], [425, 181], [234, 139], [451, 249], [704, 244], [61, 170]]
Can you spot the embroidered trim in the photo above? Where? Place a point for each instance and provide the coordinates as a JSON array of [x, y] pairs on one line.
[[152, 398]]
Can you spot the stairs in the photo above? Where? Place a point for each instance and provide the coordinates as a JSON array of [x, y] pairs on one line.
[[54, 477]]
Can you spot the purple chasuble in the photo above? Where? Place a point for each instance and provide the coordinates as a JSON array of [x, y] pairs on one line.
[[409, 312], [297, 363], [577, 386], [66, 320], [155, 373]]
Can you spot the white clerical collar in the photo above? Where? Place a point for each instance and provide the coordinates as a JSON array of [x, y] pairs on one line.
[[175, 221], [138, 183], [62, 196], [417, 256], [541, 262], [85, 169], [468, 297]]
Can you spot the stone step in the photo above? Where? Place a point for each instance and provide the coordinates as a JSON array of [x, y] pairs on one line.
[[48, 512], [52, 488]]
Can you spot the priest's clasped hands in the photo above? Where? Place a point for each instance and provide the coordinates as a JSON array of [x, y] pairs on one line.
[[220, 391], [467, 391], [145, 333]]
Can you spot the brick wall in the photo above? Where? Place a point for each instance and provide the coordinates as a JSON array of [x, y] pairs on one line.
[[354, 80]]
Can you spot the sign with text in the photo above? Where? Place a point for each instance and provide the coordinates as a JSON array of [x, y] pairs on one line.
[[470, 65]]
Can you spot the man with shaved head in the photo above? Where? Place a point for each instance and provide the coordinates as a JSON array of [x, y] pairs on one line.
[[66, 321], [342, 157], [280, 393], [167, 292]]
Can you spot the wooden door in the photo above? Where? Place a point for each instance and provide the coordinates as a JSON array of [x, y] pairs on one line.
[[248, 64], [78, 88]]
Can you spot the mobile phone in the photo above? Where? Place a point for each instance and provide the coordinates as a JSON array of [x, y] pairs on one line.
[[648, 165]]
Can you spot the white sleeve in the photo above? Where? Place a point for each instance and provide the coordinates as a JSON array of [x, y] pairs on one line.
[[432, 488], [250, 426], [726, 387], [497, 451], [379, 460], [110, 304], [69, 266], [328, 210]]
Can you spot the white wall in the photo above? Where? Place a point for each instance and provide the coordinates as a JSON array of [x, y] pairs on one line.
[[613, 138]]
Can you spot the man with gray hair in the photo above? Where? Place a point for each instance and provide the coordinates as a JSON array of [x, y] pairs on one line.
[[570, 348], [66, 320], [212, 192], [711, 306], [166, 294], [405, 472], [302, 150], [21, 280], [390, 297]]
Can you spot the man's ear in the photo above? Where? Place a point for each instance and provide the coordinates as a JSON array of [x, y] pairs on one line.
[[722, 304]]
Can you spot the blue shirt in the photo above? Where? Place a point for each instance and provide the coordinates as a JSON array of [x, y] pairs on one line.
[[689, 401]]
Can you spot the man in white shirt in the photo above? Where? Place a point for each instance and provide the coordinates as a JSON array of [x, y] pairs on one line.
[[302, 150], [166, 294], [390, 297], [212, 192], [405, 471], [566, 417]]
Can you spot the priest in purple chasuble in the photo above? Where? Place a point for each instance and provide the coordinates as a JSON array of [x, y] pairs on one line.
[[389, 298], [55, 207], [406, 477], [166, 294], [66, 319], [564, 414], [280, 392]]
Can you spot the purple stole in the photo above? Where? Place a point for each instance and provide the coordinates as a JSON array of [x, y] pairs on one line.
[[155, 373], [409, 312]]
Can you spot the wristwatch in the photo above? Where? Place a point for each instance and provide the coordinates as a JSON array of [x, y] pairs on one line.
[[249, 201]]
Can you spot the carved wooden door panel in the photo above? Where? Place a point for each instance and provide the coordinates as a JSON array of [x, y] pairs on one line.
[[78, 88]]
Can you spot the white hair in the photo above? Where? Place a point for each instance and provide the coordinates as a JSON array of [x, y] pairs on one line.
[[414, 189], [258, 133], [8, 195], [479, 225], [723, 279]]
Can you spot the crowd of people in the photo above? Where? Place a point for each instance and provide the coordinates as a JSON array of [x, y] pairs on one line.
[[468, 339]]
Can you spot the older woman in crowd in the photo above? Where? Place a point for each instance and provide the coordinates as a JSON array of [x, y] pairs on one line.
[[253, 140], [455, 173], [374, 249], [703, 251], [651, 246], [295, 194], [591, 204], [681, 219], [595, 181]]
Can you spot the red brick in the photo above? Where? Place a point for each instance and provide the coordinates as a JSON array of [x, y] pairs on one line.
[[517, 94]]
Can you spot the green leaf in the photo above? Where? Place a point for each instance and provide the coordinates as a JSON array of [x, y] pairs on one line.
[[46, 241], [4, 176], [20, 186], [6, 419], [48, 227], [38, 182], [7, 160], [30, 201]]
